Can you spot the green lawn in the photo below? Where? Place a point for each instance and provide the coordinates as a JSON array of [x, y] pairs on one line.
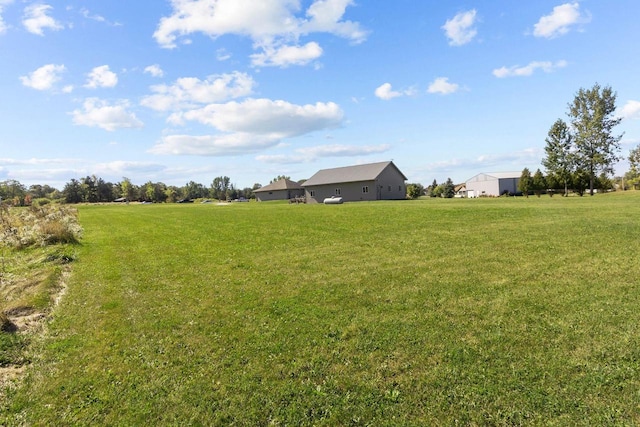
[[430, 312]]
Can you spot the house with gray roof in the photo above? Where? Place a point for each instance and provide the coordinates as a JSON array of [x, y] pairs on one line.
[[373, 181], [283, 189], [493, 184]]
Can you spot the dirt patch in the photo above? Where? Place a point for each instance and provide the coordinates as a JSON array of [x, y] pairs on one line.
[[27, 320]]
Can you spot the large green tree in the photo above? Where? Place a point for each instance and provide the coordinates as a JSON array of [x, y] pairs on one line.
[[593, 121], [558, 160]]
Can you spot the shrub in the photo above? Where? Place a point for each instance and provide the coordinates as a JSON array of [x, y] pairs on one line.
[[39, 226]]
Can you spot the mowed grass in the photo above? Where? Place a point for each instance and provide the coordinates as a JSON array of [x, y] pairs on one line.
[[429, 312]]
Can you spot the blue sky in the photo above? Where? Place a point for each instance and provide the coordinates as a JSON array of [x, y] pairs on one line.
[[183, 90]]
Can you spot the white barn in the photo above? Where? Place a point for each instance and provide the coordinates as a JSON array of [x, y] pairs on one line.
[[493, 184]]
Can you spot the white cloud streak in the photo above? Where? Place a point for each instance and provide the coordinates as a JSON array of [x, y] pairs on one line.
[[154, 70], [309, 154], [285, 56], [460, 29], [560, 20], [631, 110], [98, 113], [3, 25], [36, 19], [44, 77], [189, 92], [248, 126], [385, 91], [442, 86], [528, 70]]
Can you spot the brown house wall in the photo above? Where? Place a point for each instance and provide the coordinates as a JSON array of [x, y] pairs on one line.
[[265, 196]]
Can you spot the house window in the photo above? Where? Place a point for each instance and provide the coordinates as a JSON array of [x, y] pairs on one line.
[[337, 191], [365, 189], [399, 187], [312, 193], [389, 188], [270, 192]]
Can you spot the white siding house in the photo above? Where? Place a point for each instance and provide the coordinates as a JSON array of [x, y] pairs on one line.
[[283, 189], [493, 184]]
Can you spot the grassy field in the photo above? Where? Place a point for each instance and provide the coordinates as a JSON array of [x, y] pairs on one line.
[[430, 312]]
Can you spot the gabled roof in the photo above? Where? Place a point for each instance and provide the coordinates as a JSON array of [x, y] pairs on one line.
[[368, 172], [496, 175], [281, 184]]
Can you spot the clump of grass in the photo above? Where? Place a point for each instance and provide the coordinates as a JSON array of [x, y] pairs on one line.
[[38, 226]]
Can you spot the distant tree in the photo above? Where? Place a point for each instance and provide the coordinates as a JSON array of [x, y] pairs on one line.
[[278, 178], [448, 189], [89, 186], [604, 183], [194, 190], [127, 189], [525, 183], [580, 180], [171, 194], [432, 189], [219, 187], [632, 176], [552, 184], [538, 183], [13, 191], [105, 191], [592, 116], [414, 190], [38, 191], [559, 159], [73, 191]]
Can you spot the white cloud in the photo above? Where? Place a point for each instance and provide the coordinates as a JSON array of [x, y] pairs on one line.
[[187, 92], [98, 18], [267, 117], [384, 91], [44, 77], [125, 168], [36, 19], [312, 153], [154, 70], [249, 126], [271, 24], [287, 55], [101, 77], [213, 145], [441, 85], [3, 26], [460, 29], [222, 54], [631, 110], [98, 113], [527, 70], [560, 20]]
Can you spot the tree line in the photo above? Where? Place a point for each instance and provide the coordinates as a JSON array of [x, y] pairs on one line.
[[93, 189]]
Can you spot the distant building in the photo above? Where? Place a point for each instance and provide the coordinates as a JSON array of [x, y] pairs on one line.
[[283, 189], [373, 181], [493, 184]]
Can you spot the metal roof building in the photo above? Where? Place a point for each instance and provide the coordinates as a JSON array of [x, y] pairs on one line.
[[283, 189], [493, 184], [372, 181]]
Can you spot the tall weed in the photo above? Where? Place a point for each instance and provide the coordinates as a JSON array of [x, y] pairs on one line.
[[38, 226]]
